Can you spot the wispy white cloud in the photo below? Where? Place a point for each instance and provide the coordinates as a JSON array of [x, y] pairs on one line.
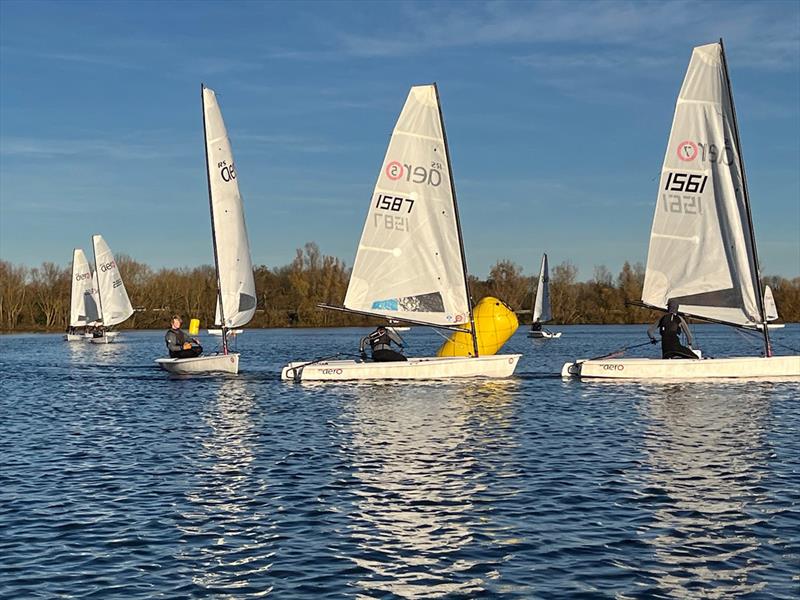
[[52, 148], [765, 33], [96, 58], [298, 143]]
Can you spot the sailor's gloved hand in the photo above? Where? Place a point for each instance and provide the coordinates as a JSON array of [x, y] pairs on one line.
[[363, 355], [653, 341], [187, 346]]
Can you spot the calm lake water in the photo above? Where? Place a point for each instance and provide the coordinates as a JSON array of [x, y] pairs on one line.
[[118, 481]]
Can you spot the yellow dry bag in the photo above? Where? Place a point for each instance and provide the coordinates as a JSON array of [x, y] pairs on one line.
[[194, 326]]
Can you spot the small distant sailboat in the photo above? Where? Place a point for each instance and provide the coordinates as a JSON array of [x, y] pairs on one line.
[[702, 245], [410, 265], [114, 306], [771, 310], [218, 332], [83, 310], [541, 306], [236, 288]]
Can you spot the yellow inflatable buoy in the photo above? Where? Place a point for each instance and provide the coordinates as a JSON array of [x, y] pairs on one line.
[[495, 323], [194, 327]]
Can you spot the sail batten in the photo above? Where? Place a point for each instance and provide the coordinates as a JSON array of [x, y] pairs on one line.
[[409, 263], [701, 249], [236, 299]]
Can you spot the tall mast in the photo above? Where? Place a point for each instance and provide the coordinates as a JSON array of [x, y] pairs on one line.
[[458, 227], [99, 293], [213, 231], [746, 196], [72, 288]]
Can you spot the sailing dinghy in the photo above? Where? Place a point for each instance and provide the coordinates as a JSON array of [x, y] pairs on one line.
[[114, 306], [702, 244], [541, 306], [218, 332], [410, 265], [771, 310], [236, 288], [83, 309]]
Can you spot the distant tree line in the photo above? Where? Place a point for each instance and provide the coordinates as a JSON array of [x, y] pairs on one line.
[[37, 299]]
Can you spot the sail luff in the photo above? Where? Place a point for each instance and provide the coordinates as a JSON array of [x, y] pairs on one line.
[[219, 308], [236, 298], [746, 197], [77, 306], [700, 251], [467, 293], [101, 315], [541, 307], [115, 306], [409, 262]]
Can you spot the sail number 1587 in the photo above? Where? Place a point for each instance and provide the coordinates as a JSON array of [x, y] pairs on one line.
[[394, 203]]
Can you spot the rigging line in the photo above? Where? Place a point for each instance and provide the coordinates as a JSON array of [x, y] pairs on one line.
[[785, 346], [615, 352]]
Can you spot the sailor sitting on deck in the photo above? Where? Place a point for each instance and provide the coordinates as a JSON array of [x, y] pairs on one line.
[[670, 326], [380, 340], [179, 344]]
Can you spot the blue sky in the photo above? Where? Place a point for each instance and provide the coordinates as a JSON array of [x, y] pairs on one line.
[[557, 115]]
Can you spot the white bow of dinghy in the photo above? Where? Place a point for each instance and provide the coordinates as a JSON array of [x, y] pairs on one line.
[[213, 363]]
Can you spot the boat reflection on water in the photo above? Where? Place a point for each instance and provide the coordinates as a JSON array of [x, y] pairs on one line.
[[418, 453], [706, 455], [221, 524]]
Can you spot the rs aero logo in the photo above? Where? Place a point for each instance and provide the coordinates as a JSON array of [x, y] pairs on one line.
[[107, 266], [688, 151], [227, 172], [83, 276], [396, 170]]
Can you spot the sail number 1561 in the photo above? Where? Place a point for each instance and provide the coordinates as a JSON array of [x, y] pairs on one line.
[[683, 182]]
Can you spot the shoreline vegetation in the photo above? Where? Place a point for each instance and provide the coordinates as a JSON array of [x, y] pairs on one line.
[[37, 299]]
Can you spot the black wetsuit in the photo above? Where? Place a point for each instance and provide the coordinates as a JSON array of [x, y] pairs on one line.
[[380, 342], [175, 339], [669, 326]]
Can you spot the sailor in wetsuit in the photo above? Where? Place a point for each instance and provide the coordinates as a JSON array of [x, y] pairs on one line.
[[670, 327], [380, 340], [179, 344]]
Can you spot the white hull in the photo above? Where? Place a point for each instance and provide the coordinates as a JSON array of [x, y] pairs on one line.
[[415, 368], [73, 337], [748, 367], [107, 338], [230, 331], [214, 363], [548, 335]]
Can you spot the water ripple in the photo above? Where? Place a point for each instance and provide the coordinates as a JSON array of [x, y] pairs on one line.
[[120, 482]]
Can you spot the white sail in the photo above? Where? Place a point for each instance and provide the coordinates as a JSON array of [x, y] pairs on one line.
[[541, 308], [114, 302], [92, 301], [770, 310], [235, 270], [409, 259], [701, 251], [83, 307]]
